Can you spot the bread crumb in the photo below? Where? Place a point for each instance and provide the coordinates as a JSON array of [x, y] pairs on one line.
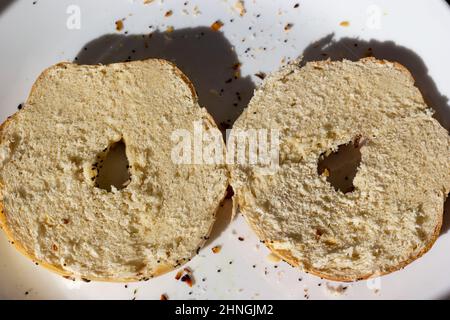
[[239, 6], [336, 290], [344, 24], [217, 25], [188, 280], [178, 275], [196, 11], [148, 1], [288, 26], [164, 297], [168, 13], [119, 25], [170, 29], [261, 75], [216, 249]]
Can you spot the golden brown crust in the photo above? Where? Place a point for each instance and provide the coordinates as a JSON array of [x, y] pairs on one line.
[[183, 77], [58, 269], [288, 257]]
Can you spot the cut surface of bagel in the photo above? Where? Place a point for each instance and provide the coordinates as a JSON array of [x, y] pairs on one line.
[[394, 213], [52, 209]]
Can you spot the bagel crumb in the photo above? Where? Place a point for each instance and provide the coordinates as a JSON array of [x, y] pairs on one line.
[[216, 249], [119, 25], [187, 270], [236, 66], [188, 280], [217, 25], [288, 27], [178, 275], [240, 7], [261, 75]]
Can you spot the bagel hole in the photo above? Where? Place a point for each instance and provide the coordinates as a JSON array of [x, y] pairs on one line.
[[112, 168], [340, 166]]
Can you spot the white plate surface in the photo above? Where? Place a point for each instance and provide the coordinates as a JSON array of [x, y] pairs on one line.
[[37, 34]]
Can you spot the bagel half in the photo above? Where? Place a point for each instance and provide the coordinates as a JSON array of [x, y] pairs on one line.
[[51, 208], [394, 214]]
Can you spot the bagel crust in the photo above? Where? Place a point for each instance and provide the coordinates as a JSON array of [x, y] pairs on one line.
[[51, 209], [393, 215]]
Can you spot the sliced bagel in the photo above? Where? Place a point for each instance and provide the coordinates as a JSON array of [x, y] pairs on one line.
[[394, 213], [54, 212]]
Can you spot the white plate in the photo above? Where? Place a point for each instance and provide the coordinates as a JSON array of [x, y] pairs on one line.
[[35, 36]]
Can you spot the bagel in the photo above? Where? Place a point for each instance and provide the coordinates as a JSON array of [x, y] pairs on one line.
[[394, 213], [52, 209]]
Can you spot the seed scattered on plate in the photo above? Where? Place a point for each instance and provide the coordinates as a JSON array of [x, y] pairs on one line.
[[344, 24], [261, 75]]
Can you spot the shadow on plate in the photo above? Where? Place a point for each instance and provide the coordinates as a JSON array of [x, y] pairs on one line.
[[223, 219], [355, 49], [4, 4], [204, 55]]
